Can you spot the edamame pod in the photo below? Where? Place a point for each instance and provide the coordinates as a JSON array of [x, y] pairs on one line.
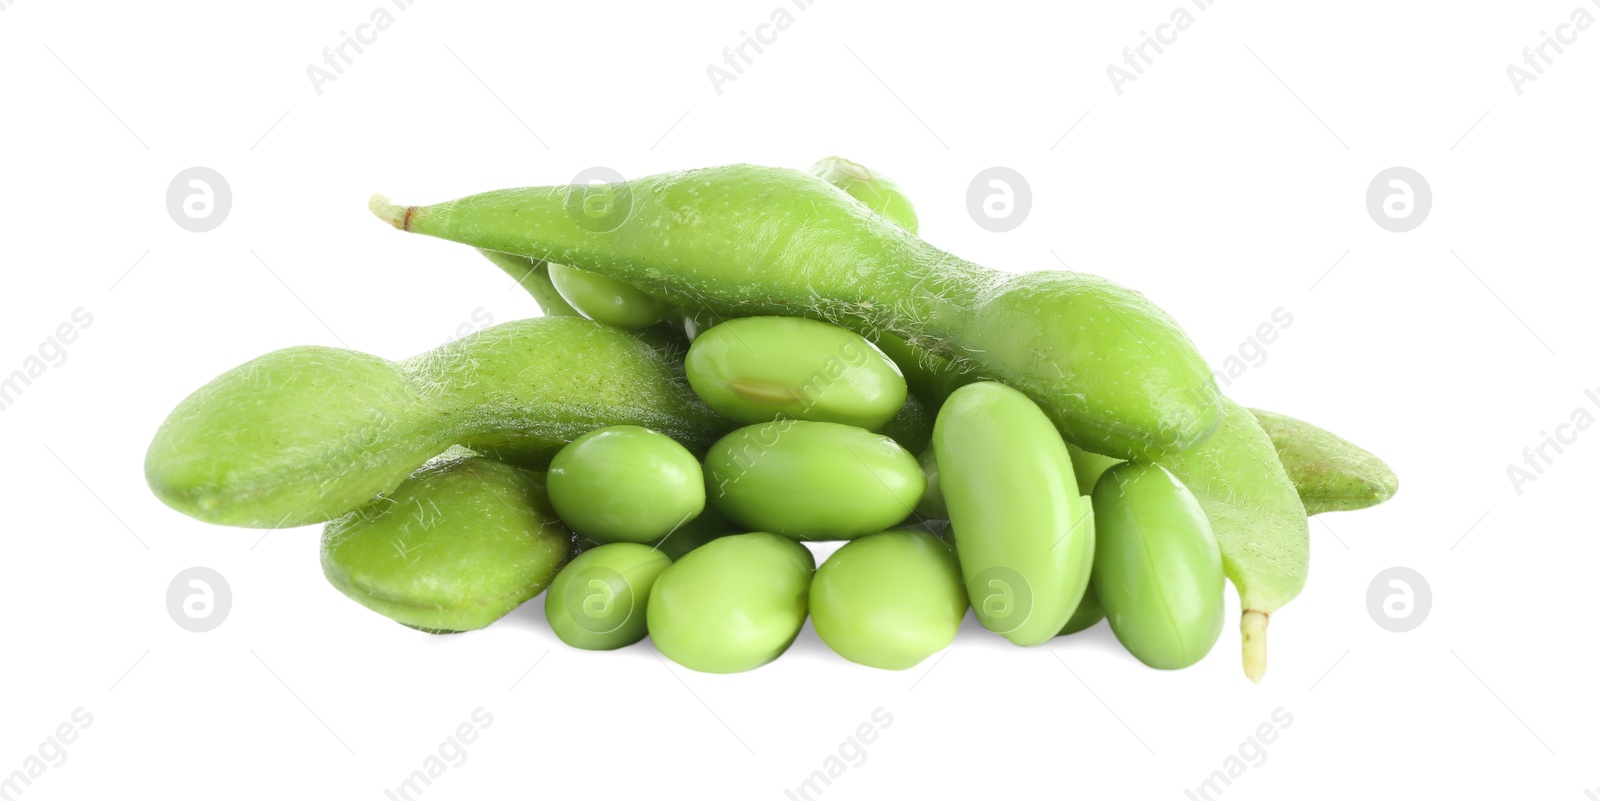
[[889, 600], [1331, 474], [597, 602], [758, 369], [626, 484], [1114, 372], [1024, 535], [929, 375], [304, 435], [812, 481], [607, 300], [1157, 570], [733, 604], [454, 548], [1257, 518]]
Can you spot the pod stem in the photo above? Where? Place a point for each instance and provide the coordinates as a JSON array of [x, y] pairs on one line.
[[397, 216], [1254, 628]]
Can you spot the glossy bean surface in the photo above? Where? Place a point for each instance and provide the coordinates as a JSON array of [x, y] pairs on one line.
[[759, 369], [626, 484], [597, 602], [733, 604], [889, 600], [812, 480], [1157, 568], [1024, 535]]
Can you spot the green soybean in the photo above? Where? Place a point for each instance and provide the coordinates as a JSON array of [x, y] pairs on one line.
[[733, 604], [1024, 535], [1330, 473], [304, 435], [454, 548], [812, 481], [597, 602], [1157, 569], [626, 484], [1114, 372], [880, 194], [889, 600], [1258, 521], [1088, 613], [710, 525], [607, 300], [757, 369]]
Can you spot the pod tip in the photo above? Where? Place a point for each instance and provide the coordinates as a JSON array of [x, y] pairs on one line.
[[397, 216], [1253, 627]]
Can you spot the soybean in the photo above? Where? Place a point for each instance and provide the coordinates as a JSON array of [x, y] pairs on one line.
[[1024, 535], [889, 600], [812, 481], [733, 604], [454, 548], [1157, 569], [598, 600], [607, 300], [757, 369], [306, 434], [880, 194], [626, 484], [1088, 613]]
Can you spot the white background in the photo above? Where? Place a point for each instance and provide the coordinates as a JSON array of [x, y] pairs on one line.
[[1206, 184]]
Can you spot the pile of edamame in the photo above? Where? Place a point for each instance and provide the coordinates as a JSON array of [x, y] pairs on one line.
[[737, 361]]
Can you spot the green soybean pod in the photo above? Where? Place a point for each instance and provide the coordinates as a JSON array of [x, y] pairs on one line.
[[889, 600], [454, 548], [733, 604], [757, 369], [812, 481], [1023, 534], [607, 300], [1157, 567], [597, 602], [626, 484]]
